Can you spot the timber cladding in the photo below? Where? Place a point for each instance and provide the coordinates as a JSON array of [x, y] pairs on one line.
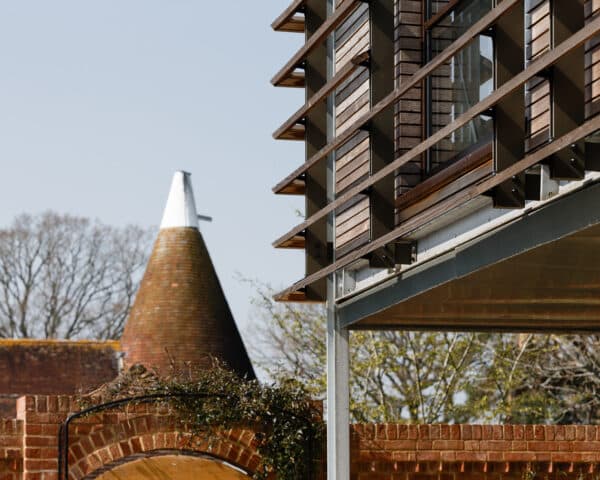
[[354, 97], [353, 160], [592, 63], [538, 99], [537, 91]]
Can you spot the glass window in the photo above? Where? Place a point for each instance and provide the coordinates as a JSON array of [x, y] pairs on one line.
[[458, 84]]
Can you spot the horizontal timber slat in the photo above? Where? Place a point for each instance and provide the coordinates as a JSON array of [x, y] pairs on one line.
[[447, 175], [328, 88], [295, 80], [317, 38], [298, 242], [488, 20], [442, 13], [295, 188], [534, 68], [450, 203], [281, 23]]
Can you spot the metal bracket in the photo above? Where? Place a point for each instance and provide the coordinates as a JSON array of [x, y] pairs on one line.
[[489, 32], [393, 254], [546, 73], [365, 127], [569, 163], [592, 156]]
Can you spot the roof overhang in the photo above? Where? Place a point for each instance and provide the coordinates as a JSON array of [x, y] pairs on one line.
[[539, 273]]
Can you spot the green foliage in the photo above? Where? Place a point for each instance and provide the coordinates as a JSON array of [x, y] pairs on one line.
[[211, 401], [395, 376], [431, 377]]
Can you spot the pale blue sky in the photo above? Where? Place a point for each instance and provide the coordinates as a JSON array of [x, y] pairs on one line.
[[101, 100]]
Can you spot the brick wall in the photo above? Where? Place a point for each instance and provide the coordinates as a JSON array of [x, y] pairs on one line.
[[53, 367], [100, 442], [394, 452], [11, 449], [29, 446]]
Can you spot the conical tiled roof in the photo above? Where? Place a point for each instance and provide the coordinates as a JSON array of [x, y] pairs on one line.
[[180, 311]]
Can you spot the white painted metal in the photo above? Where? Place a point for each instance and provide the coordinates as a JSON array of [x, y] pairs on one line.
[[338, 356], [338, 395], [548, 186], [180, 210], [457, 227]]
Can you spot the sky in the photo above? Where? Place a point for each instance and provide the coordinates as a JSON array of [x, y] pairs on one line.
[[102, 100]]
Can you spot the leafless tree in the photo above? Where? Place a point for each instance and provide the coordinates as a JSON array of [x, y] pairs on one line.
[[68, 277], [395, 376]]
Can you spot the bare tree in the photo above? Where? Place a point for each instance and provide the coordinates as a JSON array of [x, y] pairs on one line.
[[68, 277], [395, 376]]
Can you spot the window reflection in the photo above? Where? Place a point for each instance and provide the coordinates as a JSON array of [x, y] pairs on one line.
[[458, 84]]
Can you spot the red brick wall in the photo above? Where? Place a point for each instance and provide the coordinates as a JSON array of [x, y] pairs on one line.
[[11, 449], [29, 446], [394, 452], [100, 442], [53, 367]]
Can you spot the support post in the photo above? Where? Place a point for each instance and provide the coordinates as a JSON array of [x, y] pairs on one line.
[[338, 393], [338, 356], [318, 249], [509, 118], [381, 17], [567, 89]]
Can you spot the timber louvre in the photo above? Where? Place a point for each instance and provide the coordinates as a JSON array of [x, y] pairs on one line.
[[503, 99]]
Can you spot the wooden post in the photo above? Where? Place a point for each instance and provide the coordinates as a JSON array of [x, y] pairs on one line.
[[509, 114], [381, 128], [318, 251], [567, 89]]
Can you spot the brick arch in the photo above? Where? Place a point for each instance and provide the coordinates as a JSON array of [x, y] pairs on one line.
[[97, 444], [158, 453]]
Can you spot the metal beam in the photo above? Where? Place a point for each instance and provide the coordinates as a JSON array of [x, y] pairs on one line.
[[315, 238], [338, 356], [381, 128], [338, 393], [558, 219]]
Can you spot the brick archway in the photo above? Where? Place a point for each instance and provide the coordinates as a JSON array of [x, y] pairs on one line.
[[101, 442], [163, 457]]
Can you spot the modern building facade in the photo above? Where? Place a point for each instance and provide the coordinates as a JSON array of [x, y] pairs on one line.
[[451, 170]]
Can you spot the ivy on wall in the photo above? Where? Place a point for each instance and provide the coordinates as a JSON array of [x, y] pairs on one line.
[[286, 423]]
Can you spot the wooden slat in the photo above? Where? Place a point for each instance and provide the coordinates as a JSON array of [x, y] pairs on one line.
[[316, 39], [466, 179], [298, 242], [488, 20], [288, 21], [296, 132], [533, 69], [328, 88], [298, 187], [442, 13], [299, 297], [451, 203], [446, 176], [295, 80]]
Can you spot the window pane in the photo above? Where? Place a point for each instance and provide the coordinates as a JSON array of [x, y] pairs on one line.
[[460, 83]]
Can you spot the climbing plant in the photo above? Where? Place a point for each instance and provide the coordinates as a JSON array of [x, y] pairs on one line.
[[286, 423]]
